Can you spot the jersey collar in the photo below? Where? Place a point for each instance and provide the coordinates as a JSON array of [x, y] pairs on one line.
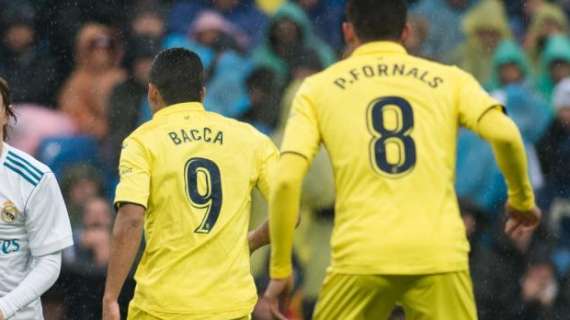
[[385, 47], [179, 107]]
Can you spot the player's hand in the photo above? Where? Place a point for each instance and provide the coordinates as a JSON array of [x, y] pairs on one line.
[[1, 316], [276, 297], [521, 220], [111, 310]]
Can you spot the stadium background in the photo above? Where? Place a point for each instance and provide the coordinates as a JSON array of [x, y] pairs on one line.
[[78, 68]]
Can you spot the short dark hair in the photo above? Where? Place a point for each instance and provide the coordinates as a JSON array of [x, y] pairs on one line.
[[377, 19], [6, 101], [179, 75]]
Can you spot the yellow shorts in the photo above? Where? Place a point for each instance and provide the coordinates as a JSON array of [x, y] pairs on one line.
[[446, 296], [137, 314]]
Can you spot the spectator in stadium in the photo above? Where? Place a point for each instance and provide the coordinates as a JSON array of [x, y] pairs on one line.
[[242, 13], [290, 35], [554, 65], [128, 106], [485, 25], [90, 254], [554, 147], [147, 20], [146, 23], [302, 67], [84, 95], [508, 278], [262, 100], [511, 82], [220, 45], [79, 184], [326, 17], [549, 20], [22, 59], [86, 262], [444, 29]]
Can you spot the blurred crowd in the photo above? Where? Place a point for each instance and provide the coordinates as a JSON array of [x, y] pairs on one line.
[[78, 71]]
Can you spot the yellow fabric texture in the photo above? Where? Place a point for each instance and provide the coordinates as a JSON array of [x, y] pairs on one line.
[[445, 296], [389, 122], [187, 166], [508, 147]]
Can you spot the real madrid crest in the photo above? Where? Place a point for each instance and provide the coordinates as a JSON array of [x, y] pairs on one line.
[[9, 212]]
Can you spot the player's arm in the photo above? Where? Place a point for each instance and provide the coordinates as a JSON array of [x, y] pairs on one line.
[[127, 235], [300, 144], [504, 136], [131, 200], [484, 115], [49, 232], [284, 211], [37, 282]]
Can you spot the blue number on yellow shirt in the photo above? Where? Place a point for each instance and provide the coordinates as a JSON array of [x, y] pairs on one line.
[[398, 136], [210, 198]]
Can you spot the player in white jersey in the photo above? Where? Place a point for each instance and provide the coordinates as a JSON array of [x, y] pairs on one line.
[[34, 227]]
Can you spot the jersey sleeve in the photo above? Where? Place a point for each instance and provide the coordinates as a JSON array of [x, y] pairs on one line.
[[47, 221], [473, 102], [267, 159], [302, 135], [134, 172]]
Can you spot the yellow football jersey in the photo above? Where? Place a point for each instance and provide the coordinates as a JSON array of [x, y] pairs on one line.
[[194, 171], [389, 122]]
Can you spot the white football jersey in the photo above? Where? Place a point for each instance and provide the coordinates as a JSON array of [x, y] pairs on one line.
[[33, 221]]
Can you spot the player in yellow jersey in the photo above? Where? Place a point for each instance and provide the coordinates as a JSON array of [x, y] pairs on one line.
[[188, 175], [389, 122]]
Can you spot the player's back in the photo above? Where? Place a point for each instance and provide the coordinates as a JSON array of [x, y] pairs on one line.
[[389, 122], [202, 168]]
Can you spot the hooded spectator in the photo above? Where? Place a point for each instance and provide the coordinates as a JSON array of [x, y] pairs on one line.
[[22, 59], [84, 95], [554, 64], [549, 20], [289, 36], [511, 82], [444, 25], [242, 13], [485, 25], [220, 45]]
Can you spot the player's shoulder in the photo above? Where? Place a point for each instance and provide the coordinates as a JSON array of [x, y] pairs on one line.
[[24, 166], [143, 129]]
